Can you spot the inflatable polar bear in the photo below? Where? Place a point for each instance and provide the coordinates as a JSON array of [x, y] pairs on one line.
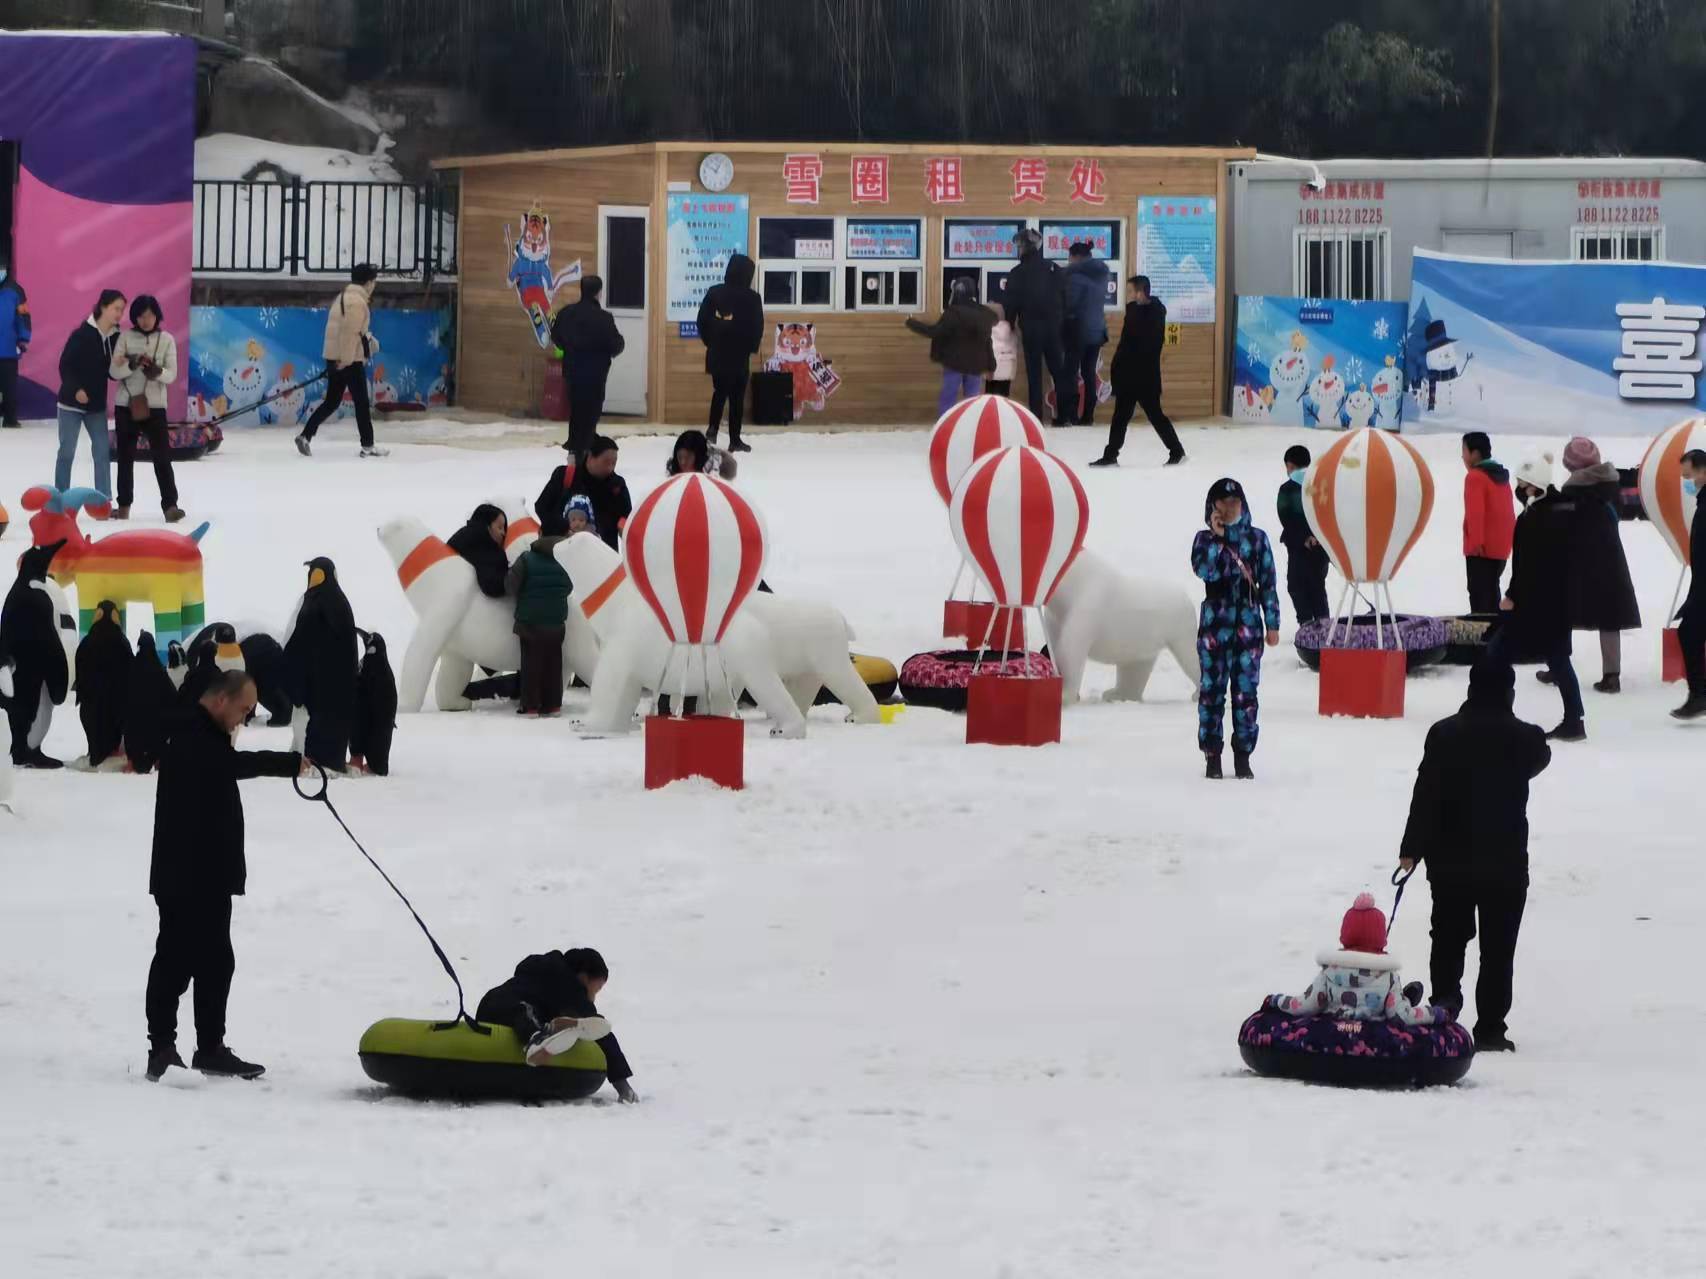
[[780, 651], [1100, 615], [460, 628]]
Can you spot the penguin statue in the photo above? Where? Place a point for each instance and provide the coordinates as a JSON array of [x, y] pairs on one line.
[[103, 684], [263, 658], [321, 662], [5, 705], [375, 708], [153, 702], [41, 674]]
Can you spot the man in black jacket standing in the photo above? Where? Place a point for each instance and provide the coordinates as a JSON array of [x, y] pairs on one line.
[[1035, 300], [587, 334], [1469, 822], [731, 325], [1136, 373], [198, 868], [1692, 633]]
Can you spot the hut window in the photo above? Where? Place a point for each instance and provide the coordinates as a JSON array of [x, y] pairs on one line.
[[1104, 238], [796, 262], [1355, 265], [981, 250], [1617, 244], [882, 264]]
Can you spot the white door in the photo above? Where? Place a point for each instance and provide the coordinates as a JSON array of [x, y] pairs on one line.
[[1478, 244], [624, 242]]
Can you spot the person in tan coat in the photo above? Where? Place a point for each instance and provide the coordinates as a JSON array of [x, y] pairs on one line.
[[348, 346], [144, 364]]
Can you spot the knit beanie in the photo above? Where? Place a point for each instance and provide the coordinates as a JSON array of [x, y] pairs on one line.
[[1364, 927], [1579, 454], [582, 503], [1536, 472]]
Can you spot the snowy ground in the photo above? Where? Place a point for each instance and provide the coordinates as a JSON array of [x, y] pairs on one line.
[[903, 1007]]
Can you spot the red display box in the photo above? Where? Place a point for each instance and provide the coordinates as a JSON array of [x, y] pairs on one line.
[[968, 620], [553, 394], [1673, 667], [711, 746], [1009, 710], [1366, 683]]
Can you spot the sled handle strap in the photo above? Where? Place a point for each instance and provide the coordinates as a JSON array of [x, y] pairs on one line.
[[319, 797], [1400, 877], [267, 399]]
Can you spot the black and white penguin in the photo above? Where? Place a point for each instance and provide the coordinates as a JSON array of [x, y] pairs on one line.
[[152, 706], [41, 674], [263, 658], [321, 663], [103, 683], [375, 708], [214, 649], [5, 705]]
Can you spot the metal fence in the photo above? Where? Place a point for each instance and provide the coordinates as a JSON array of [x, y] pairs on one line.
[[324, 228]]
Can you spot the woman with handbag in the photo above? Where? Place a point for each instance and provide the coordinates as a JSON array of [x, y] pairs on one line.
[[83, 371], [145, 364]]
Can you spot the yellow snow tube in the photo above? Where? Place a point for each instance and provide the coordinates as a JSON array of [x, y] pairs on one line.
[[879, 674], [451, 1059]]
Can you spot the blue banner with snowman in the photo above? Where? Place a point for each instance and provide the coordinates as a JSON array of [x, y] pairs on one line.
[[1313, 362], [1554, 347], [241, 355]]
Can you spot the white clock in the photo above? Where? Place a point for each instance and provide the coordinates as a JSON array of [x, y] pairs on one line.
[[716, 171]]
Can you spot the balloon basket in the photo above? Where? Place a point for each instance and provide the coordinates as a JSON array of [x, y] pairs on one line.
[[1363, 683], [1672, 665], [1012, 710], [708, 746], [974, 620]]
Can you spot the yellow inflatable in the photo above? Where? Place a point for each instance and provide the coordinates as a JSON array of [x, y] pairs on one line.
[[454, 1059], [879, 674]]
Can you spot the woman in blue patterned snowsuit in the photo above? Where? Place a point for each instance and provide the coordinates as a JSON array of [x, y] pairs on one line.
[[1236, 564]]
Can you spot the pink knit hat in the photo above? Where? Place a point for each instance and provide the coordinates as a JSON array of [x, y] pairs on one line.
[[1580, 453], [1364, 927]]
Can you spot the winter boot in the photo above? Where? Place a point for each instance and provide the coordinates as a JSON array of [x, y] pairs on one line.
[[1241, 767], [160, 1058], [1610, 684], [304, 447], [1571, 730], [220, 1060], [1693, 708], [1107, 459], [1173, 459], [739, 446], [35, 757], [1545, 677], [121, 512], [174, 515], [1493, 1042], [1213, 772]]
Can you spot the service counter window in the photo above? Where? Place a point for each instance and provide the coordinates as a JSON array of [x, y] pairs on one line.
[[882, 264], [980, 251], [1105, 241], [797, 263]]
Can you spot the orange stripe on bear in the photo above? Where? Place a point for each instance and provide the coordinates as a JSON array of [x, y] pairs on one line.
[[430, 551], [599, 598]]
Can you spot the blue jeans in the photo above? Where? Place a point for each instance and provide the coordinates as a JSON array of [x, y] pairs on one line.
[[957, 387], [94, 421]]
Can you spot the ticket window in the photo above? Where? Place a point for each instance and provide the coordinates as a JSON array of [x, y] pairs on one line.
[[796, 263], [1106, 240], [979, 250], [882, 264]]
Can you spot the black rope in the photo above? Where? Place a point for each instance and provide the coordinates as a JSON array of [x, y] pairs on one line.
[[268, 399], [1400, 877], [320, 797]]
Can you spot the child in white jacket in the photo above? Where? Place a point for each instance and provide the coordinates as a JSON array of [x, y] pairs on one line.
[[1360, 982], [1006, 354]]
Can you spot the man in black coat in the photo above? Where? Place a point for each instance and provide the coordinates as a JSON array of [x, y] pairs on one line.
[[1692, 633], [587, 334], [594, 476], [322, 656], [1035, 300], [1536, 607], [731, 325], [1469, 822], [198, 868], [1136, 373]]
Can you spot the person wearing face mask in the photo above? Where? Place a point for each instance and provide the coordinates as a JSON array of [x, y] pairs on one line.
[[1692, 633], [83, 366], [349, 345], [1306, 560], [14, 341], [197, 868]]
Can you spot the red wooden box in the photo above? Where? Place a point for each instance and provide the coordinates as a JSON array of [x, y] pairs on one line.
[[553, 395], [1365, 682], [1674, 670], [1009, 710], [712, 746], [969, 620]]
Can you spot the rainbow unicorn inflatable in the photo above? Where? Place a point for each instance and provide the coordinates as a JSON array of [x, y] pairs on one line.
[[156, 567]]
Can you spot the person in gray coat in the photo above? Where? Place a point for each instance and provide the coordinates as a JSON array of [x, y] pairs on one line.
[[1086, 331]]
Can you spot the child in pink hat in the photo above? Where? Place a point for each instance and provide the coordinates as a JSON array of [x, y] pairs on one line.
[[1359, 981]]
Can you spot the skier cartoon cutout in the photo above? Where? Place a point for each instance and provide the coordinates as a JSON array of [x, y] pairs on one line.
[[530, 271]]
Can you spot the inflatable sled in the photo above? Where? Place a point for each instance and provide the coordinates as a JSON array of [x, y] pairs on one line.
[[1424, 638], [1354, 1054], [1466, 637], [939, 678], [183, 443], [879, 675], [451, 1059]]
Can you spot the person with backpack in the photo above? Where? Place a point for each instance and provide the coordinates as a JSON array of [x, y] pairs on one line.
[[349, 345], [731, 325]]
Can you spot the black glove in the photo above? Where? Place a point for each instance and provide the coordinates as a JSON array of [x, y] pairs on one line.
[[1413, 992]]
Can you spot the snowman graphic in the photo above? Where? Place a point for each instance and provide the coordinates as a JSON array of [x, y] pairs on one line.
[[1289, 372], [1326, 395], [244, 383], [1359, 409], [1250, 404], [1388, 391], [286, 409], [1445, 368], [383, 391], [439, 392]]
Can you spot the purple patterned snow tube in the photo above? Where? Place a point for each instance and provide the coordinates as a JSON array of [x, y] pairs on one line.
[[1354, 1054], [1425, 639]]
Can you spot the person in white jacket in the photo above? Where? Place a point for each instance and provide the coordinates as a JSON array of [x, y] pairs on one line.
[[1006, 353], [1360, 982], [349, 345], [144, 364]]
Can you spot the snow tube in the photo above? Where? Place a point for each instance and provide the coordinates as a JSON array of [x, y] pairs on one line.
[[1354, 1054], [939, 678], [451, 1059], [184, 443], [879, 675], [1424, 638], [1466, 637]]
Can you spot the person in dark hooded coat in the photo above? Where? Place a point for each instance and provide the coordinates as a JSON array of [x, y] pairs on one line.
[[1086, 332], [731, 325], [1602, 595], [481, 542], [41, 677], [589, 340], [149, 708], [322, 653], [375, 708], [103, 683], [557, 984], [1035, 300]]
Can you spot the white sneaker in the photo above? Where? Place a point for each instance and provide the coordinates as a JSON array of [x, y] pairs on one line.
[[373, 450], [303, 447]]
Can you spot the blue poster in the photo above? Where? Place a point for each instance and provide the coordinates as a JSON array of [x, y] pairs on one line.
[[1059, 237], [1554, 347], [240, 355], [867, 239], [1176, 249], [971, 241], [704, 232], [1313, 362]]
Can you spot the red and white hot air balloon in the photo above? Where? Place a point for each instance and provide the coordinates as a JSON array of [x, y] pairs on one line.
[[1367, 498], [973, 428], [694, 550], [1669, 508], [1020, 516]]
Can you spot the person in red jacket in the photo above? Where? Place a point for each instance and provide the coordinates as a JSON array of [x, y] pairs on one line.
[[1489, 522]]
